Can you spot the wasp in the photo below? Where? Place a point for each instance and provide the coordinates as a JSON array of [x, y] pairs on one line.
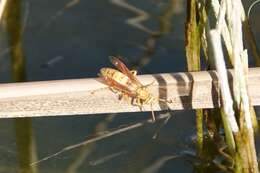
[[125, 82]]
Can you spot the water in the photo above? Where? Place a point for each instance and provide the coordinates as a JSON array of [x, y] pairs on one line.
[[73, 39]]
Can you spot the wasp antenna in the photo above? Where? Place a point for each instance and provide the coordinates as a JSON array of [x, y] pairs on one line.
[[111, 57], [153, 117], [115, 59]]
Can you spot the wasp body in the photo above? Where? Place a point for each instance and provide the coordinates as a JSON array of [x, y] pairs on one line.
[[125, 82]]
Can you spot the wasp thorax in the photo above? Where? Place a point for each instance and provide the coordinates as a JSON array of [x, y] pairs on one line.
[[144, 94]]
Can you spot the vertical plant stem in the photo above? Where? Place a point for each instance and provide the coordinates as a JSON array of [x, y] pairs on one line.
[[245, 155], [192, 38], [2, 8], [240, 86], [228, 118], [228, 44], [25, 141], [193, 60], [199, 126], [14, 28]]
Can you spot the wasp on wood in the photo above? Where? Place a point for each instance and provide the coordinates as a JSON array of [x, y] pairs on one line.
[[125, 82]]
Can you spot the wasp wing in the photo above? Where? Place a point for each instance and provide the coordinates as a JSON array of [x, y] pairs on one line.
[[122, 67], [114, 84]]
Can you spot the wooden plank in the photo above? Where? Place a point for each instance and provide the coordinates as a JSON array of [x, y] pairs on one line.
[[90, 96]]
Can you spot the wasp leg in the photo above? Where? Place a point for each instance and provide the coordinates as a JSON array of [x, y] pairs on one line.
[[165, 100], [123, 96], [150, 84], [120, 97], [126, 98], [132, 101], [138, 103], [153, 116], [113, 90]]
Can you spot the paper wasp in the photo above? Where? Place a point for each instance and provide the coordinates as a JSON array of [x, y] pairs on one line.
[[127, 85]]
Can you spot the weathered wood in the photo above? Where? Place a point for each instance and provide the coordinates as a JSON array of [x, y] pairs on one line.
[[90, 96]]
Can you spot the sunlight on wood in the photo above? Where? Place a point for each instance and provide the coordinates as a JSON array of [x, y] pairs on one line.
[[90, 96]]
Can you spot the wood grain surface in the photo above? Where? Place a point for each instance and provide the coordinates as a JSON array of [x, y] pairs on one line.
[[91, 96]]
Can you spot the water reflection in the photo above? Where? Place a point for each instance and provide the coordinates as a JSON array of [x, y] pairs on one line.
[[14, 29], [137, 21], [165, 27], [101, 29], [52, 62], [131, 152], [86, 150], [106, 158], [25, 142], [61, 12], [26, 148]]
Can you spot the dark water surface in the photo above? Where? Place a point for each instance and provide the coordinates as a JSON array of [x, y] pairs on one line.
[[65, 39]]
